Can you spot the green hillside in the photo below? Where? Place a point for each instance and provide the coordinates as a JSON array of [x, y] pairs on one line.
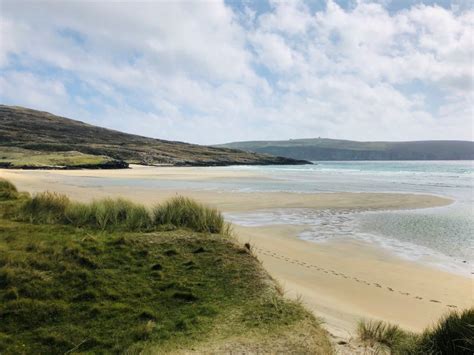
[[333, 149], [36, 139]]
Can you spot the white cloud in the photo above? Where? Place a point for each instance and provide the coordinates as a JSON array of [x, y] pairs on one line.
[[205, 72]]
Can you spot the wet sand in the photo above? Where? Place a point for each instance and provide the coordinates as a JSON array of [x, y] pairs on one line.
[[341, 281]]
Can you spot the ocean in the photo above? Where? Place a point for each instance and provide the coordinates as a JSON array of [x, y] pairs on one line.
[[442, 237]]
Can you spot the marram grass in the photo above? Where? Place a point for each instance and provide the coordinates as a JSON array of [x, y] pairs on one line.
[[184, 212], [121, 214], [8, 191], [46, 207], [453, 334], [109, 214]]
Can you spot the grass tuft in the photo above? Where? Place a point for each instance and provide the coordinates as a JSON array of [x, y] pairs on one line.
[[184, 212], [378, 332], [46, 207], [452, 334], [109, 214], [8, 191]]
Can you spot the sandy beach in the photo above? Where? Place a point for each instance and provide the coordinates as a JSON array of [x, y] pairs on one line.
[[341, 281]]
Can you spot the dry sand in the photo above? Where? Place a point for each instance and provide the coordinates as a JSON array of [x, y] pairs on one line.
[[341, 282]]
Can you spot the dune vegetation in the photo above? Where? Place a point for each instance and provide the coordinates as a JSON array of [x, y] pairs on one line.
[[111, 276], [121, 214], [452, 334]]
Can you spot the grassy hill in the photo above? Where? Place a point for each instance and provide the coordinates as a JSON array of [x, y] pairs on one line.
[[114, 277], [333, 149], [35, 139]]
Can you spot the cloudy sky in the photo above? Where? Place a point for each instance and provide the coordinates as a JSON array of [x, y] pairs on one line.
[[218, 71]]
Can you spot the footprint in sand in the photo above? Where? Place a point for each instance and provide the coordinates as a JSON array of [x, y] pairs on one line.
[[377, 285], [390, 289], [451, 306], [419, 298], [404, 293], [435, 301]]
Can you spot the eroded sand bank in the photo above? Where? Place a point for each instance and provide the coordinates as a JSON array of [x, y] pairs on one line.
[[341, 281]]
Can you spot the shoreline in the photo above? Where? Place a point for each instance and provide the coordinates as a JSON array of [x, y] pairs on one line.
[[343, 282], [340, 300]]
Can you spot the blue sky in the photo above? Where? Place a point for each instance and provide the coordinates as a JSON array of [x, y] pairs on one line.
[[218, 71]]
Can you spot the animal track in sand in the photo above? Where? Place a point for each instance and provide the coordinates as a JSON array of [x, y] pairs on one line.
[[339, 274]]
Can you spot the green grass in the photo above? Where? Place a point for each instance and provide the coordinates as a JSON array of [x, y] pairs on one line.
[[184, 212], [121, 214], [387, 336], [46, 207], [19, 158], [8, 191], [452, 334], [95, 289], [109, 214]]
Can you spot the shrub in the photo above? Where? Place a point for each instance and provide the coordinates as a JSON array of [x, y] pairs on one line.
[[8, 191], [46, 207], [453, 334], [184, 212]]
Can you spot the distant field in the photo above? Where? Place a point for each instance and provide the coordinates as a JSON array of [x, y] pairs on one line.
[[23, 158]]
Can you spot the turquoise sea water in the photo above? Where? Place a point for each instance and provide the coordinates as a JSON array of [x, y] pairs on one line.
[[441, 236]]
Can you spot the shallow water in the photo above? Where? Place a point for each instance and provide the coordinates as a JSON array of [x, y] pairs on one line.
[[442, 237]]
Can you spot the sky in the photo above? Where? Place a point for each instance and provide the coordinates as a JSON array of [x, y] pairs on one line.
[[211, 72]]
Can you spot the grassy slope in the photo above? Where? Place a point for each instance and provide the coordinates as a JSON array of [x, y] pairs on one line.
[[333, 149], [19, 158], [64, 288], [43, 132]]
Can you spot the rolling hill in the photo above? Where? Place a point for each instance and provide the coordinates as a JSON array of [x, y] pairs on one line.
[[333, 149], [36, 139]]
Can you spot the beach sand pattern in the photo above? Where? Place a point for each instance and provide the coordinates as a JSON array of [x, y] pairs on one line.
[[334, 273]]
